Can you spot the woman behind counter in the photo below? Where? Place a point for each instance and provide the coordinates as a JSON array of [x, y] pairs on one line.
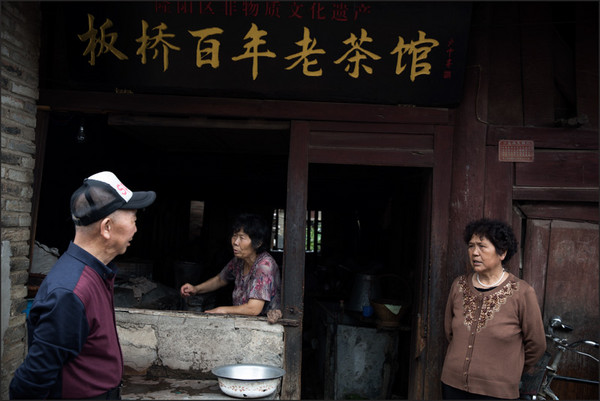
[[493, 322], [253, 270]]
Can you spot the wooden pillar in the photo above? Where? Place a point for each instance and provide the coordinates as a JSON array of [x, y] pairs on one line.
[[293, 260], [41, 133], [498, 186], [437, 294], [468, 167]]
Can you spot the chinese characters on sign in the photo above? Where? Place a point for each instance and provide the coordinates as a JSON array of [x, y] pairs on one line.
[[515, 150], [448, 65], [354, 57], [303, 55], [300, 10], [357, 51], [91, 36]]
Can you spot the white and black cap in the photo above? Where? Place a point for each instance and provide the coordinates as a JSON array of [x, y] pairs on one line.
[[103, 193]]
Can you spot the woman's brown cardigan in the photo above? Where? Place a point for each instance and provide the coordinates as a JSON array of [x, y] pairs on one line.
[[494, 336]]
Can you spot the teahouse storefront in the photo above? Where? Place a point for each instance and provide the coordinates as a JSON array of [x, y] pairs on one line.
[[367, 171], [348, 124]]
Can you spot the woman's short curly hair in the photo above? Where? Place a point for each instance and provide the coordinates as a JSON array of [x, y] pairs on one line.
[[497, 232], [257, 229]]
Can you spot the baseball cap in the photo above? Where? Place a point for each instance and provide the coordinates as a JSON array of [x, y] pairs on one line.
[[103, 193]]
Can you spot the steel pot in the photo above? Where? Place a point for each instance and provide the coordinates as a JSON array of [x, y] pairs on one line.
[[248, 380], [365, 288]]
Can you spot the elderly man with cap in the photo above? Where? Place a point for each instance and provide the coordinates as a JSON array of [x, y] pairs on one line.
[[74, 349]]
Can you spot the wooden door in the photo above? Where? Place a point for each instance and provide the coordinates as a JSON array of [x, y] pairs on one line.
[[561, 262]]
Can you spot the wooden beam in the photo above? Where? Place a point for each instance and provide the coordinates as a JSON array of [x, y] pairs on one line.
[[566, 169], [372, 157], [371, 140], [107, 102], [385, 128], [556, 194], [546, 138], [561, 211], [196, 122]]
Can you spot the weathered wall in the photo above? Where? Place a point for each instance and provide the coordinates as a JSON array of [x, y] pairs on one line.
[[181, 342], [508, 86], [20, 43], [511, 92]]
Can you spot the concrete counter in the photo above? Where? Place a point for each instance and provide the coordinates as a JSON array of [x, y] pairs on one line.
[[173, 349]]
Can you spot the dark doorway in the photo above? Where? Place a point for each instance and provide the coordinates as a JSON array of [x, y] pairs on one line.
[[372, 225]]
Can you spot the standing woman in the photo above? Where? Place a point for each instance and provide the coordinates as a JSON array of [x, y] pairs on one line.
[[257, 289], [493, 322]]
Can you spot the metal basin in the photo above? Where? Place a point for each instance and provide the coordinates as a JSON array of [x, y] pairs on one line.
[[248, 380]]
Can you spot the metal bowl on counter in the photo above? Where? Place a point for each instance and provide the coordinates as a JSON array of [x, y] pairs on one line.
[[248, 380]]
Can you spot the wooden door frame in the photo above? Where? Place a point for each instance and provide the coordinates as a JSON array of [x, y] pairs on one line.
[[293, 258], [428, 364], [425, 351]]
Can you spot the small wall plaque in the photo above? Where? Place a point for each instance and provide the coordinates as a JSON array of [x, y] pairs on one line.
[[510, 150]]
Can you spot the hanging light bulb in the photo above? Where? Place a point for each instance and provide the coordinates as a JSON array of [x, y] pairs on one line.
[[81, 135]]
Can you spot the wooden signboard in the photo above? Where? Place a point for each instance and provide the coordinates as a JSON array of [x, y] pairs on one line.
[[410, 53]]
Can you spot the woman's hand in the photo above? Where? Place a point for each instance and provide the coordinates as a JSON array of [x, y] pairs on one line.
[[274, 315], [209, 285], [187, 289]]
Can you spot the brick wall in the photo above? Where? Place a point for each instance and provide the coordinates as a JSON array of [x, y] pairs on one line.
[[19, 78]]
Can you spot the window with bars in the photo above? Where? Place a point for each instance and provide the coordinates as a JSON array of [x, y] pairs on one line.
[[312, 241]]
